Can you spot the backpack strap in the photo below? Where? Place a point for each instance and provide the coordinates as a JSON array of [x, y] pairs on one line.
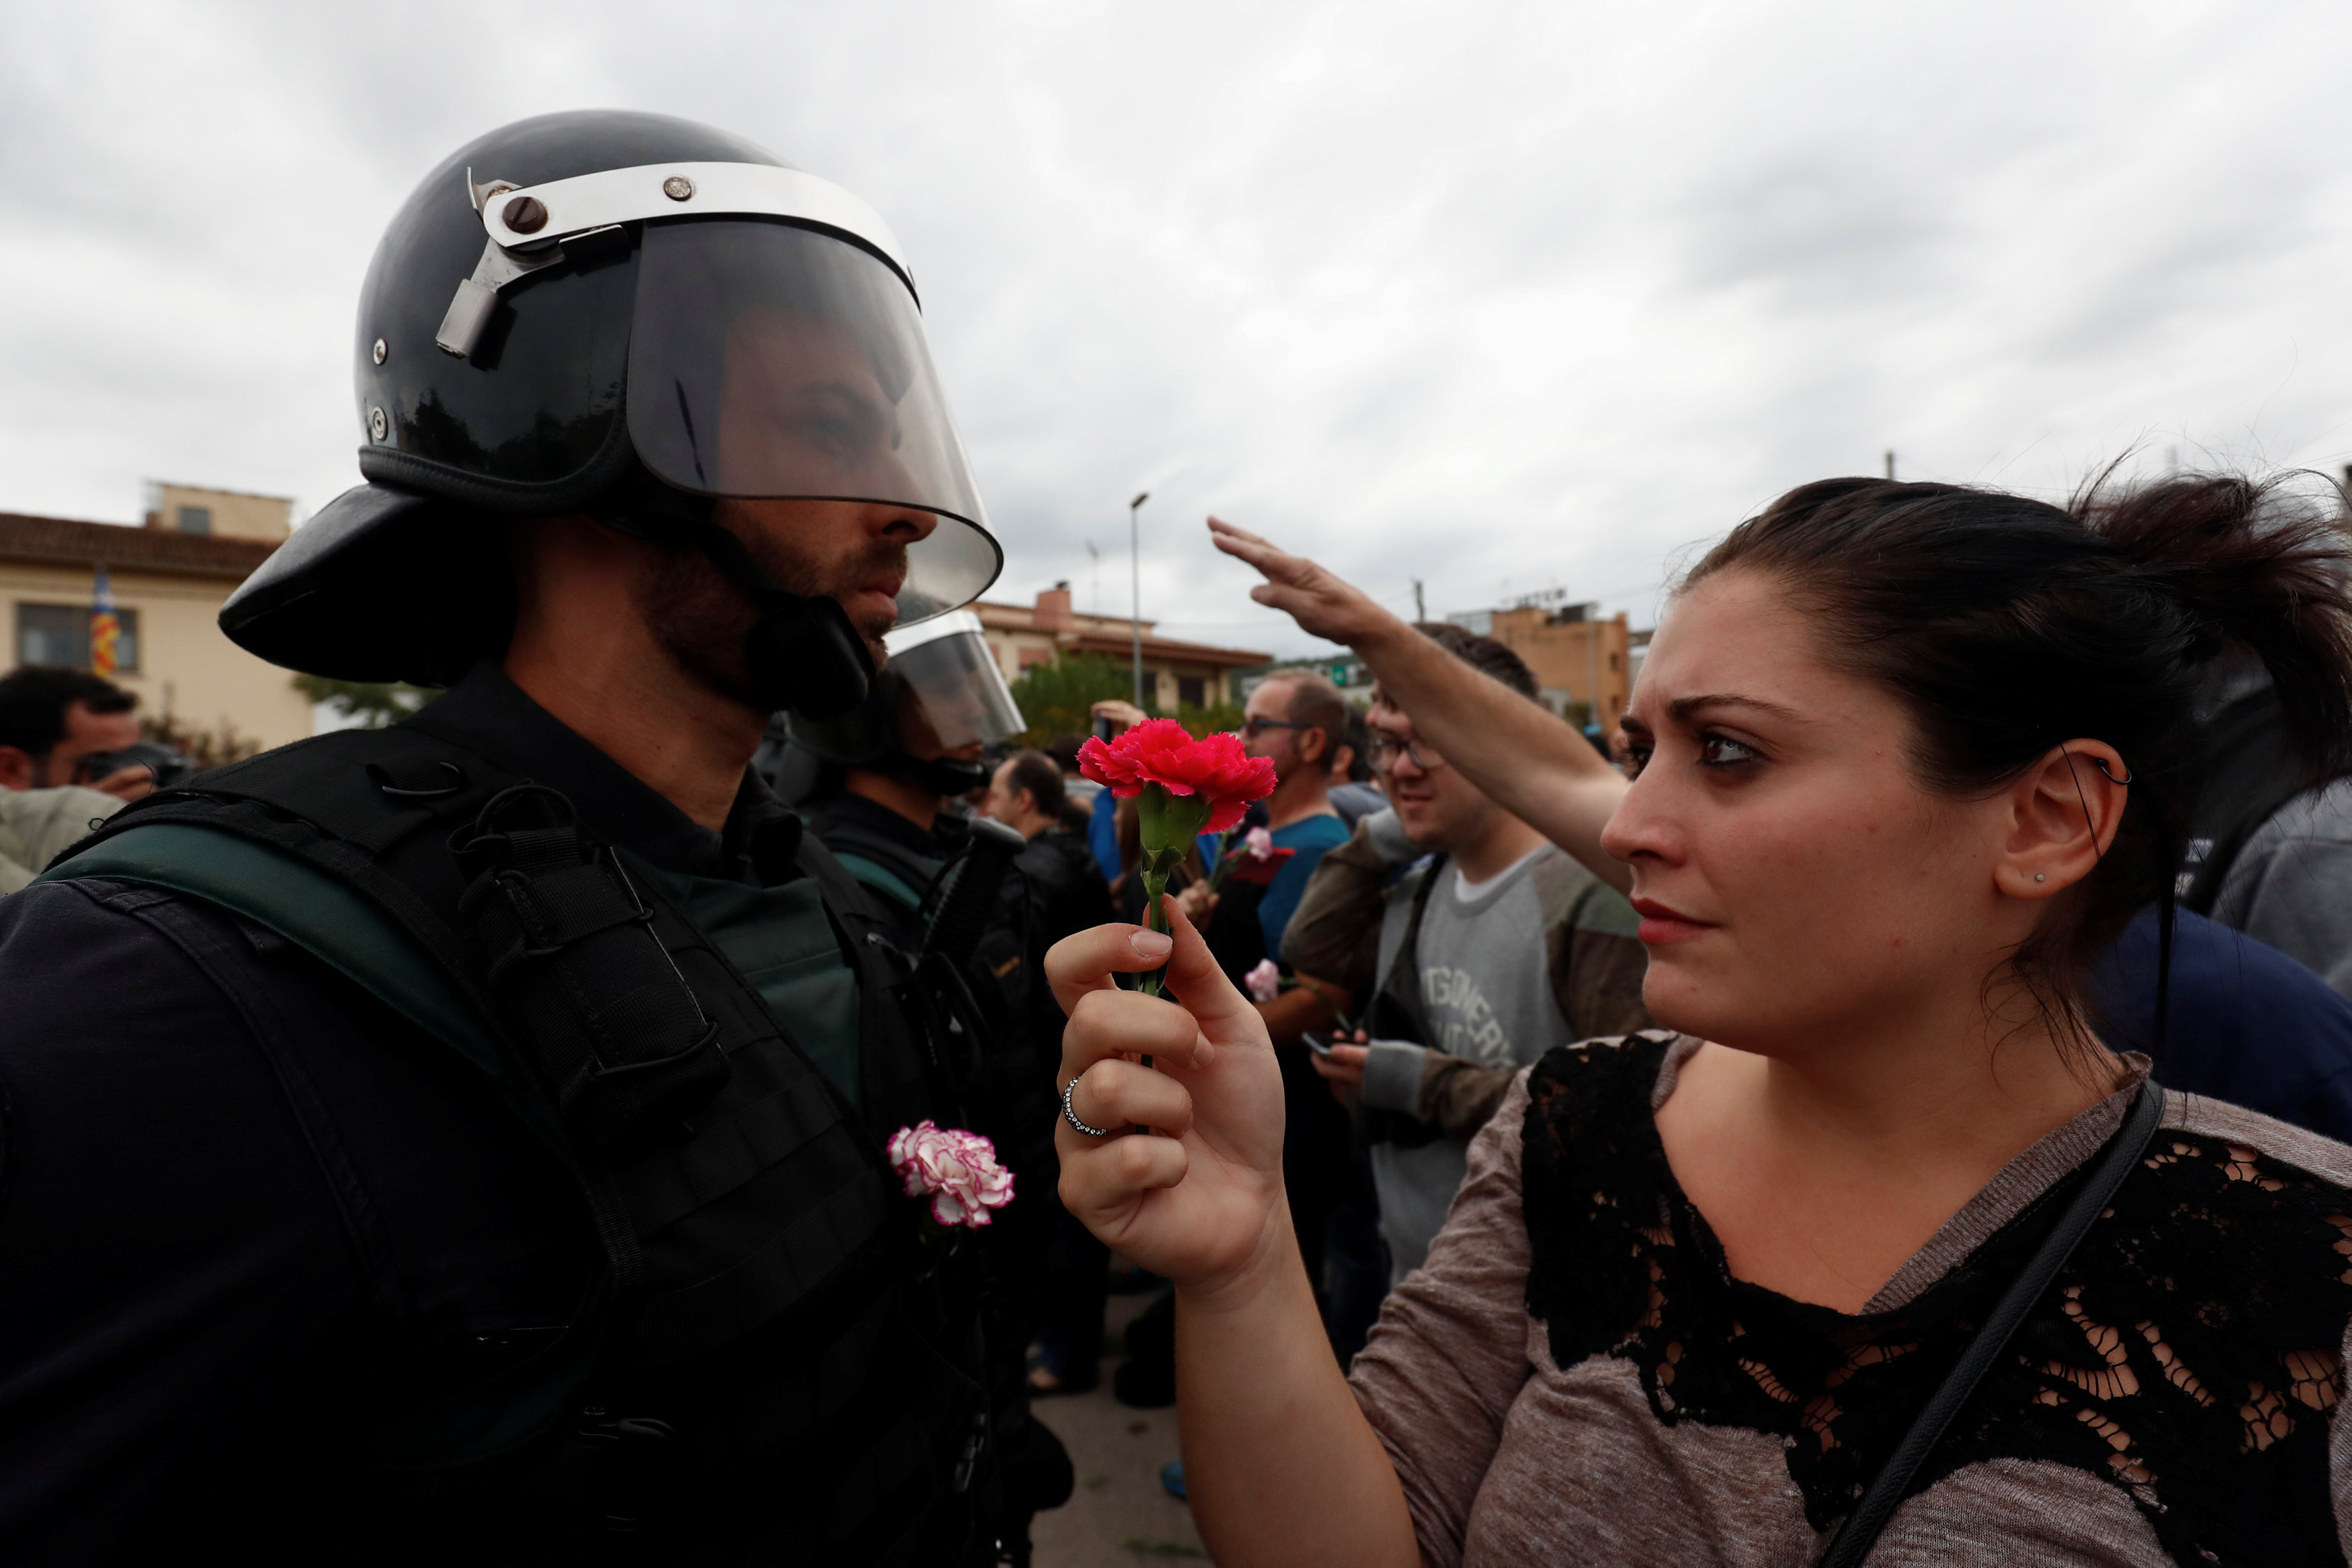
[[321, 916], [324, 918], [1397, 1012], [873, 873]]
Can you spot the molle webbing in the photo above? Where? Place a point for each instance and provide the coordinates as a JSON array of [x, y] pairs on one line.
[[769, 1194], [589, 984]]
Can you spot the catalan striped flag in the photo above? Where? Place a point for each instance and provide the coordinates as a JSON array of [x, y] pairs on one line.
[[105, 627]]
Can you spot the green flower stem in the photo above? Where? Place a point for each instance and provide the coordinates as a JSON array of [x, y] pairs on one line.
[[1155, 918], [1167, 823]]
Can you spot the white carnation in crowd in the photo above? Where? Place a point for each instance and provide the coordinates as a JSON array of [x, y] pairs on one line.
[[957, 1168]]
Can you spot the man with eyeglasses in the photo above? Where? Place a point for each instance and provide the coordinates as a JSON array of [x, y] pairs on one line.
[[1297, 720]]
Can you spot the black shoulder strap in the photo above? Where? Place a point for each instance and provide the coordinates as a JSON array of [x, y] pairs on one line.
[[897, 1068], [1399, 1012], [346, 803], [1860, 1532], [1398, 1007]]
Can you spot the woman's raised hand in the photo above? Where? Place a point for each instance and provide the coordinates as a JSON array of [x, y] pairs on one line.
[[1322, 601], [1198, 1198]]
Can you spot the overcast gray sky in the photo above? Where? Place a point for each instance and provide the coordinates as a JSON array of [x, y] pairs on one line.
[[1503, 297]]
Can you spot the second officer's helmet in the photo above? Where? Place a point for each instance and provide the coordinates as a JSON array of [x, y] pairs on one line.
[[622, 313], [941, 699]]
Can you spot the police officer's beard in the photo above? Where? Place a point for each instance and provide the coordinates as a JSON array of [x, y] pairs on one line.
[[702, 619]]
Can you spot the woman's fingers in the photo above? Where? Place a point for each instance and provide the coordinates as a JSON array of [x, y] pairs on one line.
[[1121, 1094], [1224, 1013], [1086, 960], [1101, 1181], [1107, 1023]]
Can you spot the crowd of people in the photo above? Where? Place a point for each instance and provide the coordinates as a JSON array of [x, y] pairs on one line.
[[685, 1094]]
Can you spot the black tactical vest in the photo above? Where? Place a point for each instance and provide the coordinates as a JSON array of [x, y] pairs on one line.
[[775, 1366]]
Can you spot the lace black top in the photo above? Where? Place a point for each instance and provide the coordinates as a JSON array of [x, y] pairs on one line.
[[2169, 1401]]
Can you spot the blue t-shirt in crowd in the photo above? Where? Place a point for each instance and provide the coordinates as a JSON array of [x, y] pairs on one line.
[[1102, 834], [1311, 838], [2244, 1023]]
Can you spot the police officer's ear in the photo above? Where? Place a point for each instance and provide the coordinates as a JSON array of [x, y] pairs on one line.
[[18, 770]]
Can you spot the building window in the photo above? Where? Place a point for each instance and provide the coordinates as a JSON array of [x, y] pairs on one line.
[[1033, 657], [59, 634], [1191, 691], [196, 519]]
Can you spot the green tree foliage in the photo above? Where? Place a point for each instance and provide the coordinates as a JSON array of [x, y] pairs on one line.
[[374, 703], [207, 748], [1057, 699]]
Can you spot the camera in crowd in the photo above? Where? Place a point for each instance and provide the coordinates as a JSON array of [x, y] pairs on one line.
[[168, 767]]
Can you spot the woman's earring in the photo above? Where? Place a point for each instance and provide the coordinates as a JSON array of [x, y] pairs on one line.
[[2039, 877]]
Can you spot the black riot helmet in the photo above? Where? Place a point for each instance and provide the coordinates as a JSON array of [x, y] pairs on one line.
[[631, 315], [941, 693]]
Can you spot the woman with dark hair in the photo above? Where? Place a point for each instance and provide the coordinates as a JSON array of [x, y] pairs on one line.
[[1909, 756]]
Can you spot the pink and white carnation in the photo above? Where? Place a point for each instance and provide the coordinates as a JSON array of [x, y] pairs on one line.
[[1265, 982], [1258, 844], [957, 1168]]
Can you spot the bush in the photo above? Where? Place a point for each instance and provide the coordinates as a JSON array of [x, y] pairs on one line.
[[374, 703]]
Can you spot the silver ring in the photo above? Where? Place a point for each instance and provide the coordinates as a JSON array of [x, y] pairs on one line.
[[1072, 1116]]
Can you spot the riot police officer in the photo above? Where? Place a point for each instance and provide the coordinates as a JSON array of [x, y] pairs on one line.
[[464, 1142], [877, 783]]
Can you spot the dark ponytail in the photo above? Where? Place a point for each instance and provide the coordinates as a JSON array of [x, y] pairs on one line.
[[2009, 625]]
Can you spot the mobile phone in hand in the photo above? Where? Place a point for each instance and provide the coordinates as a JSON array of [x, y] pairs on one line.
[[1102, 729], [1319, 1046]]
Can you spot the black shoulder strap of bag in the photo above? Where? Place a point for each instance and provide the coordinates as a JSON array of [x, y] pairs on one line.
[[1860, 1532], [1397, 1010]]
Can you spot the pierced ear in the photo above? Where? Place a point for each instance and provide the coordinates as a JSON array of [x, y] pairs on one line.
[[2063, 813]]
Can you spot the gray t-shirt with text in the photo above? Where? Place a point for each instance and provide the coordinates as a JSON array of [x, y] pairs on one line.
[[1486, 992]]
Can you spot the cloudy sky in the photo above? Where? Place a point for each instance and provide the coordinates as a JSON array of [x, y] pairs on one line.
[[1506, 297]]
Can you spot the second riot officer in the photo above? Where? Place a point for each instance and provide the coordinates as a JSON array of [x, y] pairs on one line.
[[465, 1142]]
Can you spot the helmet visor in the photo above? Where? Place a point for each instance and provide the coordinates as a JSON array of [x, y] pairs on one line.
[[768, 361], [952, 686]]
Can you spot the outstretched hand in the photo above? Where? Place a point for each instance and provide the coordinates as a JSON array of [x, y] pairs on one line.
[[1324, 604], [1197, 1197]]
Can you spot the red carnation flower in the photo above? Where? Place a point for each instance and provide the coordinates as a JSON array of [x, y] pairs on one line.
[[1161, 751], [1186, 787]]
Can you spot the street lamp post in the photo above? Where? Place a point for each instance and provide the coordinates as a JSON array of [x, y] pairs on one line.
[[1135, 573]]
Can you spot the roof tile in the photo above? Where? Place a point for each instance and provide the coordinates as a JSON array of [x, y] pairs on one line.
[[117, 547]]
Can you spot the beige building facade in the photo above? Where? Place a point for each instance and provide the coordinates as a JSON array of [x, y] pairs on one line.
[[1175, 674], [168, 586], [219, 514], [1575, 659]]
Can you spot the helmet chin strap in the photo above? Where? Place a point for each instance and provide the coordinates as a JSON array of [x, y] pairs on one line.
[[938, 776], [802, 652]]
